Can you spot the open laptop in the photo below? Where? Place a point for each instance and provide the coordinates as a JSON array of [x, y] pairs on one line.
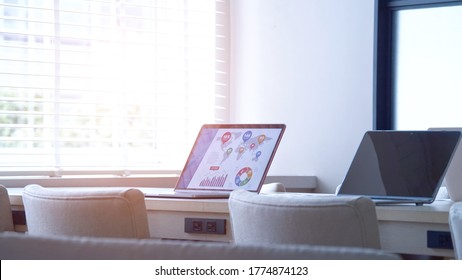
[[453, 178], [226, 157], [400, 166]]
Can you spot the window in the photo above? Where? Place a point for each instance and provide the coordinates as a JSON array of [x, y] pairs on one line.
[[108, 86], [419, 64]]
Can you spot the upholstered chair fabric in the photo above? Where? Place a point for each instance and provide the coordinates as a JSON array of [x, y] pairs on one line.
[[6, 217], [303, 219], [455, 224], [111, 212], [16, 246]]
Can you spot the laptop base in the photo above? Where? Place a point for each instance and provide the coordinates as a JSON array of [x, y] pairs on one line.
[[189, 195], [385, 202]]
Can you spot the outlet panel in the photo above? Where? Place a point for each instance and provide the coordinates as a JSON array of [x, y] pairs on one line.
[[200, 225], [439, 240]]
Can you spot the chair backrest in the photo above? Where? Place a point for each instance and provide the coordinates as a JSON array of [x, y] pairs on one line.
[[303, 219], [6, 217], [16, 246], [111, 212], [455, 225]]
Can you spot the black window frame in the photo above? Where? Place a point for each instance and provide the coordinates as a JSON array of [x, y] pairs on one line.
[[385, 34]]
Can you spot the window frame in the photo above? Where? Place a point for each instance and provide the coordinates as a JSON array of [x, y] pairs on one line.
[[385, 56], [221, 108]]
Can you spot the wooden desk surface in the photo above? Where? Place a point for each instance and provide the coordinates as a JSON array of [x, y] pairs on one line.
[[165, 204], [437, 212]]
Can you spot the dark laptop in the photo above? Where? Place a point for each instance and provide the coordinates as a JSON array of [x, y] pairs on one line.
[[453, 177], [400, 166], [226, 157]]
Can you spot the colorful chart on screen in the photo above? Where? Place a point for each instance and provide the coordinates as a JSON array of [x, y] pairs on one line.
[[235, 159]]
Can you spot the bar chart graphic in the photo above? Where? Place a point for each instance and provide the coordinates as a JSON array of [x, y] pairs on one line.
[[215, 181]]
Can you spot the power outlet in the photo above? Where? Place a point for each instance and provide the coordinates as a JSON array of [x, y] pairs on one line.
[[439, 239], [200, 225], [211, 226], [197, 226]]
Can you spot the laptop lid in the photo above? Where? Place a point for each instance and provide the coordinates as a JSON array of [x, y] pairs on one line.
[[226, 157], [400, 166], [453, 177]]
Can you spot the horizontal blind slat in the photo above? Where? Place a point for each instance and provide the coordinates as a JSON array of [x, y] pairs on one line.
[[113, 74]]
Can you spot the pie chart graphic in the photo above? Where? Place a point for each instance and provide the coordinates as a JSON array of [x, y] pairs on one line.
[[243, 176]]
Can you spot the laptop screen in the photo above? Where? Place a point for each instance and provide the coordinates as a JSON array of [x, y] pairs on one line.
[[229, 157], [453, 178], [400, 164]]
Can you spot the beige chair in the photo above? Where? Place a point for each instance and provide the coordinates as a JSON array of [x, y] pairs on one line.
[[303, 219], [455, 224], [16, 246], [111, 212], [6, 217]]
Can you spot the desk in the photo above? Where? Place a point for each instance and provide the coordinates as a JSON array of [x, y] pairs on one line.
[[165, 216], [403, 229]]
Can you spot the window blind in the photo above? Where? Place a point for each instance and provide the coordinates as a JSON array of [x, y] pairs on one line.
[[105, 86]]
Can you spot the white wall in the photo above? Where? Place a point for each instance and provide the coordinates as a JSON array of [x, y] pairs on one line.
[[309, 64]]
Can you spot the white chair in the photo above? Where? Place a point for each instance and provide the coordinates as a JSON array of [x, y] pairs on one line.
[[303, 219], [6, 217], [16, 246], [455, 225], [111, 212]]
